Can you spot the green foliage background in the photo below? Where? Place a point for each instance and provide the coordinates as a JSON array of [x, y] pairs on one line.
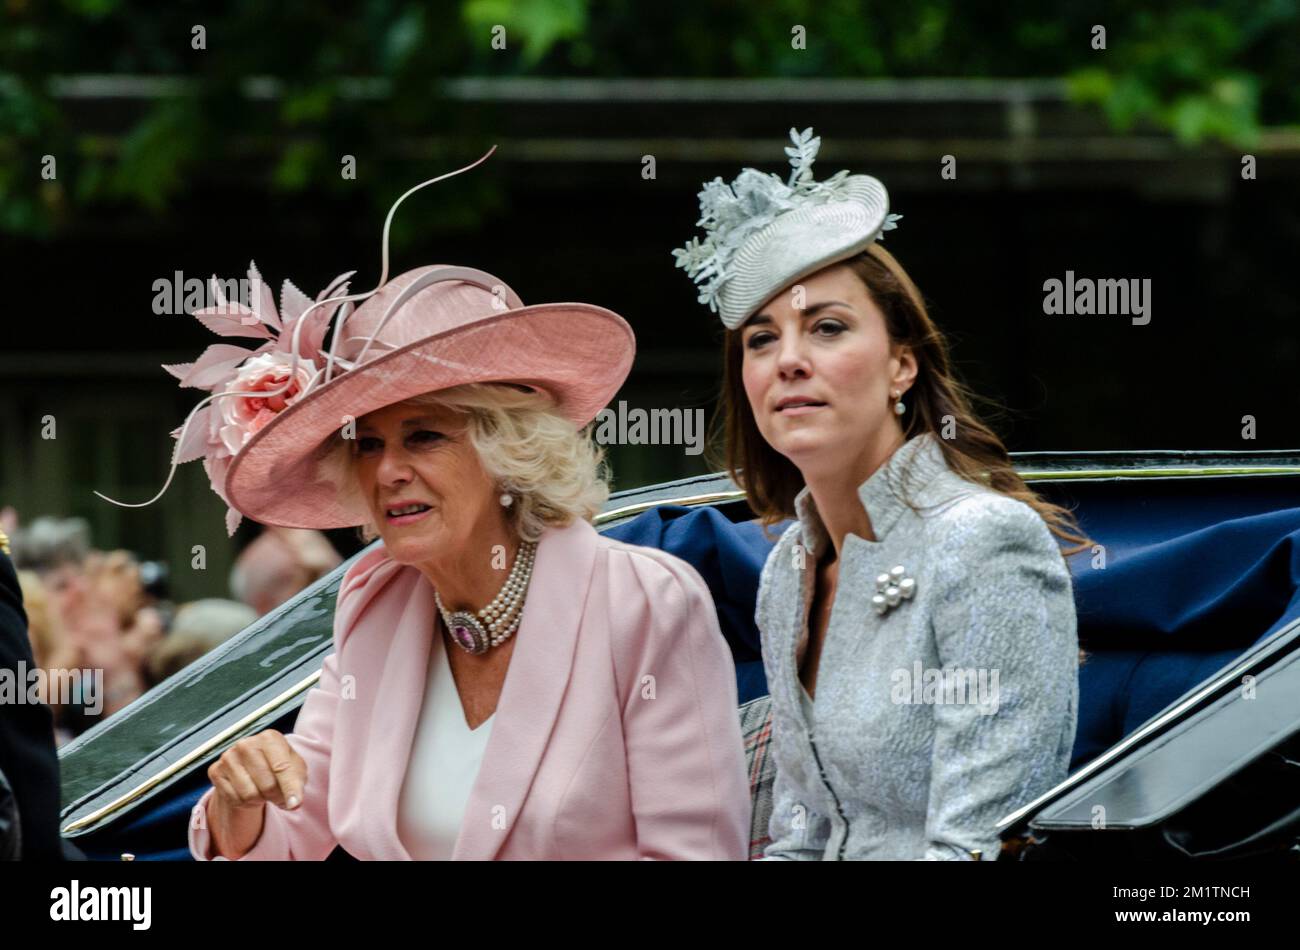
[[1215, 72]]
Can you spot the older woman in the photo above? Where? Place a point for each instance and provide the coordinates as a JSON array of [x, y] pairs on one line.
[[917, 618], [506, 682]]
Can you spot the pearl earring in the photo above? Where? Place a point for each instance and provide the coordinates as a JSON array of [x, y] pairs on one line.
[[899, 408], [507, 500]]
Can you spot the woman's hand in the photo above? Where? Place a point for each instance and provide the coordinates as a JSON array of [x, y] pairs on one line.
[[146, 631], [254, 771]]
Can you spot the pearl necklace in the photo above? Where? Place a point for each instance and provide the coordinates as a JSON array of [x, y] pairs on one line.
[[490, 627]]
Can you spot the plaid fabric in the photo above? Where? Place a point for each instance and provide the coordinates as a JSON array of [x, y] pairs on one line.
[[756, 727]]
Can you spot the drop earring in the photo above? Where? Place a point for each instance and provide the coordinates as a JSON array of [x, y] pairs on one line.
[[899, 408]]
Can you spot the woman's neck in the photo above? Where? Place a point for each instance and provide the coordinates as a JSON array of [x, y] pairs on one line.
[[470, 580], [834, 488]]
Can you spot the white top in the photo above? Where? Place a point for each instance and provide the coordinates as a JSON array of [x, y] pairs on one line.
[[444, 762]]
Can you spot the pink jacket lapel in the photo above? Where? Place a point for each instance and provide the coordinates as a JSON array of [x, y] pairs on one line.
[[533, 690], [409, 613]]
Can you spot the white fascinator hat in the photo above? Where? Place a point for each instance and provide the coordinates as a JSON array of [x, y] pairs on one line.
[[762, 234]]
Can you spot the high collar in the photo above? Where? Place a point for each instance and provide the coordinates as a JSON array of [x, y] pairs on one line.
[[885, 494]]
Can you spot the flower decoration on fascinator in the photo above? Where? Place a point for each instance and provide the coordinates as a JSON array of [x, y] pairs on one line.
[[762, 232], [255, 385]]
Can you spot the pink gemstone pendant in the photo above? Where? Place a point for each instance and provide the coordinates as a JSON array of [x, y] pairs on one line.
[[468, 633]]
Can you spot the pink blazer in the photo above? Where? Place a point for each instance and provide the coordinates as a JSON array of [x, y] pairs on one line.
[[616, 735]]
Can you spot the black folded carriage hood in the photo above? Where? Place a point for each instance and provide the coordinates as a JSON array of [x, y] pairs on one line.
[[1215, 776]]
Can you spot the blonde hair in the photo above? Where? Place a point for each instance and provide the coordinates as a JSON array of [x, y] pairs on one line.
[[51, 648], [44, 626], [555, 472]]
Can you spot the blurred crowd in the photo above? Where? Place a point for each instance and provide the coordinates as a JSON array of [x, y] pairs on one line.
[[93, 610]]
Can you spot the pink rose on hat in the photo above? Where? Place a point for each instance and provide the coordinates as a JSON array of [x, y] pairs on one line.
[[217, 430], [268, 372]]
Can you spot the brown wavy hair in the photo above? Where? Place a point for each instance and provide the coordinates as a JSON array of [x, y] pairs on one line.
[[771, 480]]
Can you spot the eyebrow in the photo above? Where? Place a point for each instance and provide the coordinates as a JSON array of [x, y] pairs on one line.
[[807, 311]]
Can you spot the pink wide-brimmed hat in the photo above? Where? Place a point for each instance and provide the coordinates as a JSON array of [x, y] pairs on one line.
[[269, 430]]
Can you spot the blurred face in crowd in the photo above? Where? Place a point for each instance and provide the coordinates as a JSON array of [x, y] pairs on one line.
[[429, 496], [818, 370], [68, 587], [278, 564], [145, 631], [116, 580], [270, 574]]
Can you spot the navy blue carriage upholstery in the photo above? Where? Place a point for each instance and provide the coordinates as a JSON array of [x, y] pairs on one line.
[[1175, 601]]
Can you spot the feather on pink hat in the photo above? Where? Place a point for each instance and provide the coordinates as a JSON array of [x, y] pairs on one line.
[[273, 410]]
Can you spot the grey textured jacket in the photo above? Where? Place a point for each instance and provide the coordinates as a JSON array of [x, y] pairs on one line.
[[944, 713]]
